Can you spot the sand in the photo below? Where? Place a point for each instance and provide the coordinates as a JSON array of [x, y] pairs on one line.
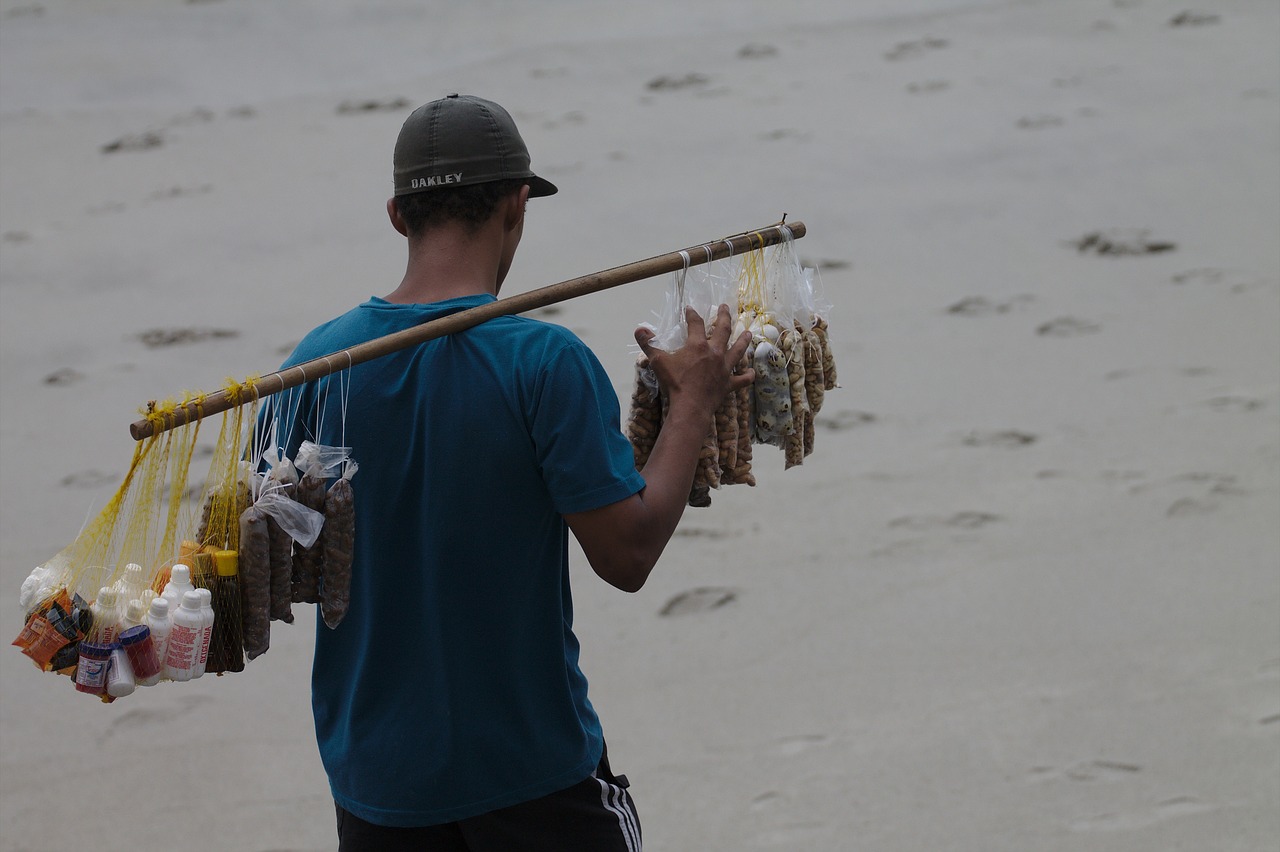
[[1026, 594]]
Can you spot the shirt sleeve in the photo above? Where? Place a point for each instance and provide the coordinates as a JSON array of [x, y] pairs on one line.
[[585, 459]]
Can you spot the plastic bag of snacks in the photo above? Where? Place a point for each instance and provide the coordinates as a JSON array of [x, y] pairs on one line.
[[782, 306]]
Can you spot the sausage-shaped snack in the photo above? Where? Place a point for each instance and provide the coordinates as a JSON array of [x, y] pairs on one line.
[[645, 418], [306, 560], [727, 436], [792, 345], [255, 581], [742, 474], [338, 540], [828, 358], [281, 560], [815, 383]]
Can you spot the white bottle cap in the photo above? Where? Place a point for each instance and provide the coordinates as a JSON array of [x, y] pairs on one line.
[[206, 597], [191, 600], [180, 574], [108, 597], [136, 611], [160, 607]]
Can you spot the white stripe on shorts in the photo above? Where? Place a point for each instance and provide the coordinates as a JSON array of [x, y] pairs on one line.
[[614, 800]]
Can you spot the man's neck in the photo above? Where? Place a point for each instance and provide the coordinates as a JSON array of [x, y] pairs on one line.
[[449, 261]]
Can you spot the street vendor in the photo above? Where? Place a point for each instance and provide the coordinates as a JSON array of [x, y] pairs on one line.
[[450, 708]]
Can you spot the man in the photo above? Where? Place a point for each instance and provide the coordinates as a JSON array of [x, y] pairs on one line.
[[450, 710]]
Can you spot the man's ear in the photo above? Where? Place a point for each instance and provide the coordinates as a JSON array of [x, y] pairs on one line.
[[397, 221], [515, 212]]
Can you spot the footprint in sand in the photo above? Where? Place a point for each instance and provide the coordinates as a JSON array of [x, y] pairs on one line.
[[1235, 403], [374, 105], [179, 192], [65, 376], [1005, 439], [914, 49], [1193, 19], [1127, 821], [667, 83], [158, 338], [1234, 280], [846, 419], [1039, 122], [1067, 327], [825, 264], [928, 87], [979, 306], [702, 599], [135, 142], [959, 520], [1085, 771], [88, 479], [757, 51], [1206, 491], [1121, 242]]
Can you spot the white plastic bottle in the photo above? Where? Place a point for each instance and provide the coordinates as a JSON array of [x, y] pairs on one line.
[[179, 584], [120, 680], [184, 639], [161, 623], [133, 615], [106, 616], [132, 583], [206, 631]]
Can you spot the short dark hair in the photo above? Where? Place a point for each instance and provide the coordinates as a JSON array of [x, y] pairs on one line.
[[470, 205]]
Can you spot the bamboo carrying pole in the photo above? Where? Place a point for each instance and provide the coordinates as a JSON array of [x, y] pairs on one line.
[[291, 377]]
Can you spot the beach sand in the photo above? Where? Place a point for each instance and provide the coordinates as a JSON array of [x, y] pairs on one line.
[[1026, 594]]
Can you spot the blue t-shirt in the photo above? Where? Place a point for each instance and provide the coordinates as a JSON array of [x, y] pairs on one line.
[[452, 686]]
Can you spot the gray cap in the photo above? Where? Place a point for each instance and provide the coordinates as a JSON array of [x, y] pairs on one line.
[[461, 140]]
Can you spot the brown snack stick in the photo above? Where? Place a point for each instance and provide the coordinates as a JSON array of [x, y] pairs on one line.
[[793, 443], [338, 539], [814, 380], [645, 419], [281, 561], [828, 358], [255, 581], [809, 435], [727, 435], [742, 474], [305, 579]]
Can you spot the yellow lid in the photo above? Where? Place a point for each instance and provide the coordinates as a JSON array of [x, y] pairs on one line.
[[228, 563]]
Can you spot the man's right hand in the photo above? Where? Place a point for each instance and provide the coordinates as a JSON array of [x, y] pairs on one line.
[[623, 540]]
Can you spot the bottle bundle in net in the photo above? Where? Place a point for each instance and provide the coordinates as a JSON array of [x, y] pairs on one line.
[[781, 305], [169, 583]]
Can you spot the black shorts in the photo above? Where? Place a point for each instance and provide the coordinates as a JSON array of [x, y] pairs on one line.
[[594, 815]]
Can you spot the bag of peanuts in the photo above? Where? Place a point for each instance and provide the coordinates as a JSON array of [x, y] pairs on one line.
[[782, 306]]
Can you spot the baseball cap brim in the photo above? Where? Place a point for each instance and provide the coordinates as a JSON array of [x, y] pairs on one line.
[[539, 187]]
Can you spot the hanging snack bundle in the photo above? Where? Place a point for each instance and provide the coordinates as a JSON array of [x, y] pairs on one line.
[[168, 583], [780, 305]]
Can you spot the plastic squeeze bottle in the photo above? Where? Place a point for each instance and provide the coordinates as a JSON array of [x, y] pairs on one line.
[[178, 585], [133, 615], [120, 680], [161, 623], [206, 631], [184, 638], [106, 616], [132, 583]]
